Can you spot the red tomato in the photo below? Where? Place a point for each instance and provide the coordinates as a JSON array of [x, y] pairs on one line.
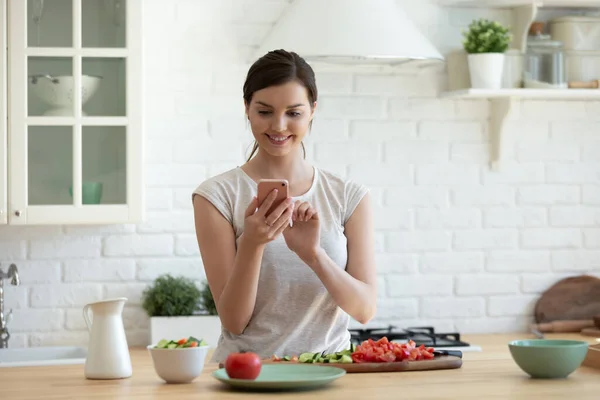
[[243, 365]]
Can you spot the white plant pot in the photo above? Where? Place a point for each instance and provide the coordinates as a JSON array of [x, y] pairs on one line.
[[207, 327], [486, 70]]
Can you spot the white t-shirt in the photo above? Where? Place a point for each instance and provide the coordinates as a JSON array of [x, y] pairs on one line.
[[294, 313]]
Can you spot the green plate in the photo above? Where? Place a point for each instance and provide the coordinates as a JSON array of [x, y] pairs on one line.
[[285, 376]]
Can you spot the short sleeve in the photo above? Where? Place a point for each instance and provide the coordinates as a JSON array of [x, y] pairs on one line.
[[354, 193], [214, 192]]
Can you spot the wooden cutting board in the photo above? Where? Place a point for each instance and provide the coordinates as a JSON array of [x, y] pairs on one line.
[[565, 326], [437, 363], [440, 362], [573, 298]]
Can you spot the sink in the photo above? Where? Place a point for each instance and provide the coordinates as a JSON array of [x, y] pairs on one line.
[[37, 356]]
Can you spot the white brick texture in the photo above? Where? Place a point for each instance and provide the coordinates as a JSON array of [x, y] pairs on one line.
[[458, 246]]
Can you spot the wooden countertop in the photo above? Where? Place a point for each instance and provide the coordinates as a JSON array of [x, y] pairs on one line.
[[484, 375]]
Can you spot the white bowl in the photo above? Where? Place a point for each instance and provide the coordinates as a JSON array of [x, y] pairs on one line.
[[57, 91], [179, 365]]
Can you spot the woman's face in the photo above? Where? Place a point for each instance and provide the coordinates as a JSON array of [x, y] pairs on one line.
[[280, 117]]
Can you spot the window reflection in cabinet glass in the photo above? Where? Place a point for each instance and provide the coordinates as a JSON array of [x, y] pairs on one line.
[[50, 23], [103, 23], [104, 169], [107, 82], [50, 86], [49, 165]]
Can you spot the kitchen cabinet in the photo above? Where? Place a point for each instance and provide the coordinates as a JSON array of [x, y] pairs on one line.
[[503, 101], [71, 159]]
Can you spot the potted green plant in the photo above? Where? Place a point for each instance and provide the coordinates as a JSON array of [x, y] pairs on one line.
[[178, 308], [486, 43]]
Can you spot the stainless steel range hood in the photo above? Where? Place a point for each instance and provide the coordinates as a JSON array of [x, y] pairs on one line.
[[349, 32]]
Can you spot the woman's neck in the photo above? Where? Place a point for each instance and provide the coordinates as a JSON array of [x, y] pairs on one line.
[[297, 171]]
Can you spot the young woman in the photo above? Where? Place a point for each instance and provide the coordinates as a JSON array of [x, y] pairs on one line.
[[282, 290]]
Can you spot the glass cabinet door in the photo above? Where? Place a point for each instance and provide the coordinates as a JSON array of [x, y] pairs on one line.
[[3, 115], [75, 159]]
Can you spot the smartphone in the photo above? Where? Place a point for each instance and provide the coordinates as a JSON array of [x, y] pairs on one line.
[[266, 186]]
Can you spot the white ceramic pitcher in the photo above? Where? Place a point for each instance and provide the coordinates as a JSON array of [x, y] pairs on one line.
[[108, 352]]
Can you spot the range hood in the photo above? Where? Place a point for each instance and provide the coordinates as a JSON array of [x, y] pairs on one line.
[[349, 32]]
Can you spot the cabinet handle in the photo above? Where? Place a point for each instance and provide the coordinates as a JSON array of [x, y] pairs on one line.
[[18, 213]]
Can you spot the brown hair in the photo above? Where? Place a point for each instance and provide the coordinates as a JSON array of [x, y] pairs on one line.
[[276, 68]]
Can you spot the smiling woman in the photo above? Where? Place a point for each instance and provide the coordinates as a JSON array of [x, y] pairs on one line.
[[286, 279], [268, 78]]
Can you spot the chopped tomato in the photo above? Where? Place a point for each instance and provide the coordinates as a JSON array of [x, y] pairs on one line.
[[182, 341], [383, 350]]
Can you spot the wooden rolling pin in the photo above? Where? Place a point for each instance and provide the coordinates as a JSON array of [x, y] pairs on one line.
[[595, 84], [564, 326]]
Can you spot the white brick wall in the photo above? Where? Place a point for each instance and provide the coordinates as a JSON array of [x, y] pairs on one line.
[[458, 246]]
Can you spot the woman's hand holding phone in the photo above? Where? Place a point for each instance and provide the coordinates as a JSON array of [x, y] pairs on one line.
[[262, 225]]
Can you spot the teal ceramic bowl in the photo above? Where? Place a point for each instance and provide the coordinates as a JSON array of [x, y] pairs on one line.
[[91, 192], [548, 358]]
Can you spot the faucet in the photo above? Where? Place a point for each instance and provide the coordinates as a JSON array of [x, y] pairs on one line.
[[13, 275]]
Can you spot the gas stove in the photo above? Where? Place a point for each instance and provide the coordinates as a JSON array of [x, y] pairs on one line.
[[420, 335]]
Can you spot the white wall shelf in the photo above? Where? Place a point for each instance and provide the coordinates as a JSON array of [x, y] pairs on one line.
[[517, 3], [524, 12], [503, 102], [502, 109], [531, 94]]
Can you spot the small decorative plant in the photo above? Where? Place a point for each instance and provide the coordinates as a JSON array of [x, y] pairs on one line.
[[170, 296], [207, 302], [485, 36]]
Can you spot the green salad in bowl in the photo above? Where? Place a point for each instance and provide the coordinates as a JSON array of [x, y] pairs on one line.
[[181, 343]]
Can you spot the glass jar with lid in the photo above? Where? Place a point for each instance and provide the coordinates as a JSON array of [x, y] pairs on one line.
[[544, 61]]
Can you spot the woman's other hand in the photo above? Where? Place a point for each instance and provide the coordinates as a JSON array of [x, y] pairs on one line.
[[303, 238], [259, 227]]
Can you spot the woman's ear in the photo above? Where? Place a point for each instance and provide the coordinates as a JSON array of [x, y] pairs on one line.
[[247, 109], [312, 111]]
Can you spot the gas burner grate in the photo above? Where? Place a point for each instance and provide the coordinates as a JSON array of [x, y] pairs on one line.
[[425, 335]]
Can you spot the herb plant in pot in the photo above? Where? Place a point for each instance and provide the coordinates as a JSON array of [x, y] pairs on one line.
[[486, 43], [178, 309]]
